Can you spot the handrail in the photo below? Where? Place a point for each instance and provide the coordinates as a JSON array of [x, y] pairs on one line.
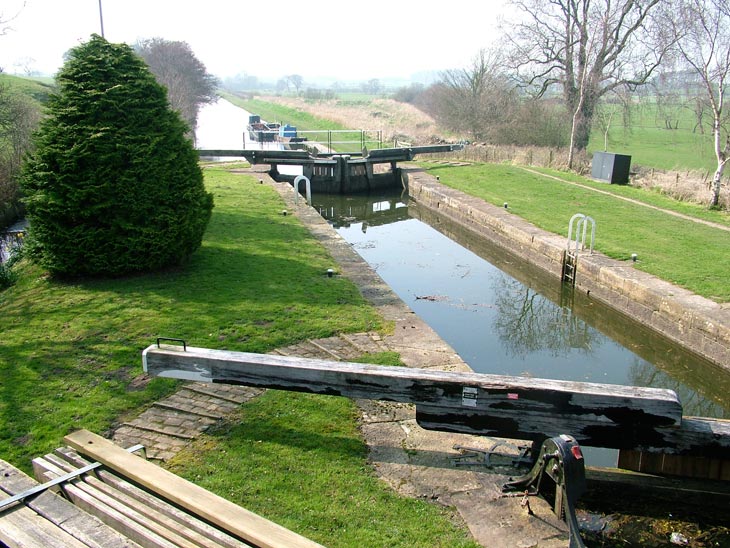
[[307, 188], [580, 239]]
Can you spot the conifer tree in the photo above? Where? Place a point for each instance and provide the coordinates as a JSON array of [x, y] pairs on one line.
[[114, 186]]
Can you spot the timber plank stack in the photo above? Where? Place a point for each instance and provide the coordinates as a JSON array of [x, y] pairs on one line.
[[49, 520], [128, 502]]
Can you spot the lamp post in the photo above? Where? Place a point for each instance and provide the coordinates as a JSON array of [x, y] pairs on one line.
[[101, 20]]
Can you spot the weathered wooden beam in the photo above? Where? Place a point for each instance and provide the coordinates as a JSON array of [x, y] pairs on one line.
[[697, 436], [143, 523], [201, 502], [139, 498], [599, 415]]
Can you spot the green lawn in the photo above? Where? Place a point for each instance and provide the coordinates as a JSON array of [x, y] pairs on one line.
[[688, 254], [70, 349], [70, 357], [650, 144]]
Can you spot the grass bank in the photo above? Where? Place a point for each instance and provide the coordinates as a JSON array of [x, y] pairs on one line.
[[279, 113], [680, 251], [70, 358]]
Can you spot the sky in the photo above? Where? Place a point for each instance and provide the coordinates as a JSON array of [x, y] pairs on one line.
[[344, 40]]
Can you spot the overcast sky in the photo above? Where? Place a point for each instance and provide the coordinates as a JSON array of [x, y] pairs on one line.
[[345, 39]]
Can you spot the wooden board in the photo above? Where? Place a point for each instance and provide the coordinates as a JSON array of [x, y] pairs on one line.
[[60, 524], [600, 415], [217, 510], [125, 519], [141, 516]]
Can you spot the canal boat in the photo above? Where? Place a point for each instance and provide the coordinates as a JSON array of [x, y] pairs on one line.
[[261, 131]]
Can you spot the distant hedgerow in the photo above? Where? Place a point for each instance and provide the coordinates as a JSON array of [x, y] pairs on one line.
[[114, 186]]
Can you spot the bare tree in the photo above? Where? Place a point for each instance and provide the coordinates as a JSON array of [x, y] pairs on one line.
[[618, 103], [476, 99], [587, 48], [26, 65], [5, 20], [372, 86], [189, 86], [702, 31], [295, 80]]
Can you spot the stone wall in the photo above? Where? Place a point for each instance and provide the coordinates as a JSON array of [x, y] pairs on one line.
[[695, 323]]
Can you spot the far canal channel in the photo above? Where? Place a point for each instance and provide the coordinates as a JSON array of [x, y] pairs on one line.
[[507, 318]]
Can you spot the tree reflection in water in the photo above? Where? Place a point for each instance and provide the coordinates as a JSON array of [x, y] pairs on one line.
[[528, 323], [642, 373]]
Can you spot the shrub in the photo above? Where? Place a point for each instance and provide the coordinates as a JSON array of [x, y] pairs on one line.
[[114, 186], [7, 276]]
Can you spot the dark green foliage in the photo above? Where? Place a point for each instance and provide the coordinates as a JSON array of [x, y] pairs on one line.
[[114, 186]]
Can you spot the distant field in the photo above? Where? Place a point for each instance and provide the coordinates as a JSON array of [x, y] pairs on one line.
[[647, 140], [37, 88]]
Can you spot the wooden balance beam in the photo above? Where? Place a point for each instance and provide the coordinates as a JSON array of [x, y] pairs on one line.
[[597, 415]]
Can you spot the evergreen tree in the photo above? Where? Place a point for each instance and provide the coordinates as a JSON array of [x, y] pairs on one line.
[[114, 186]]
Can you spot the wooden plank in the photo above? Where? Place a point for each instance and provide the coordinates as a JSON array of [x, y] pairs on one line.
[[59, 511], [503, 406], [142, 497], [110, 515], [152, 513], [217, 510], [687, 466], [22, 527]]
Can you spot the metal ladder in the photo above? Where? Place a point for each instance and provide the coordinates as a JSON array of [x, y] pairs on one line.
[[570, 261]]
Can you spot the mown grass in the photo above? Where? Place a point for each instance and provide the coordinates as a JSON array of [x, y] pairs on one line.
[[70, 357], [679, 251], [70, 349]]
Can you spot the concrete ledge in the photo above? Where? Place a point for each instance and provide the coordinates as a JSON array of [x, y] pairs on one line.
[[694, 322]]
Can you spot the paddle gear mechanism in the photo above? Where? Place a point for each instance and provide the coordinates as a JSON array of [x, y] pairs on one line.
[[561, 461]]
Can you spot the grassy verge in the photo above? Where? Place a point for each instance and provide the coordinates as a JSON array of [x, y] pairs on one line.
[[287, 115], [70, 354], [679, 251], [649, 142], [70, 358], [653, 197]]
